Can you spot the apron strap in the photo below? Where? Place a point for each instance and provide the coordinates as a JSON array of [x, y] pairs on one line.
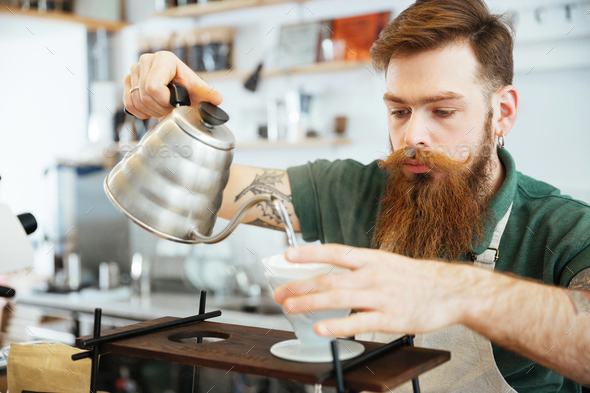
[[489, 257]]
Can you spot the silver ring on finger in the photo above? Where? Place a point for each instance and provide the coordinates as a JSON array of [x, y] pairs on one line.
[[133, 89]]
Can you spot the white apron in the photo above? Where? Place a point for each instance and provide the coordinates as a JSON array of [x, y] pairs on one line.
[[472, 367]]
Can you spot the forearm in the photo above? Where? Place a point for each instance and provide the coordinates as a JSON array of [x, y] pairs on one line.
[[245, 182], [540, 322]]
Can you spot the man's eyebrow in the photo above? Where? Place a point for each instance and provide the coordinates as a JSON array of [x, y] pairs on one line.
[[443, 95]]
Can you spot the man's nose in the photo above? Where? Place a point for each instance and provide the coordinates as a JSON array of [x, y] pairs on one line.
[[417, 133]]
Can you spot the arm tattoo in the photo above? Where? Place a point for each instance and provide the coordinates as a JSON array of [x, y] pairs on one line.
[[581, 280], [259, 223], [266, 184], [579, 292]]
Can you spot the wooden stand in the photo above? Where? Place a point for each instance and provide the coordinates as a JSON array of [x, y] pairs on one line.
[[246, 350]]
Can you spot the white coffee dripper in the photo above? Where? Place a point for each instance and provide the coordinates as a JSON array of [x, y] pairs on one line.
[[308, 347]]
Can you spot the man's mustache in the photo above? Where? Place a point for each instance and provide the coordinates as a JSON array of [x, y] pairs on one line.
[[432, 158]]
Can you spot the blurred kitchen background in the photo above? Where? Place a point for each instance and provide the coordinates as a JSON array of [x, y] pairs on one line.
[[298, 85]]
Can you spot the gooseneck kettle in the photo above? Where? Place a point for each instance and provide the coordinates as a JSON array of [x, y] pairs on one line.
[[172, 182]]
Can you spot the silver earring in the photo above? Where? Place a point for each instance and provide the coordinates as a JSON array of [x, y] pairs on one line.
[[501, 140]]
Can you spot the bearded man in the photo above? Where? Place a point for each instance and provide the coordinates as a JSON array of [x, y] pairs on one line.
[[444, 238]]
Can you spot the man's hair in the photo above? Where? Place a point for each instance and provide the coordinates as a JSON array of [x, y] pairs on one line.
[[431, 24]]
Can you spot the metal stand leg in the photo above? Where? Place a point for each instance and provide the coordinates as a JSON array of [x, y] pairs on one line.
[[75, 324], [202, 304], [95, 350], [415, 382], [337, 367], [338, 370]]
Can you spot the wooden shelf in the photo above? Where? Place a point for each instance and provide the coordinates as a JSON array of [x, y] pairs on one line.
[[108, 158], [265, 144], [282, 144], [214, 7], [326, 66], [232, 74], [91, 24]]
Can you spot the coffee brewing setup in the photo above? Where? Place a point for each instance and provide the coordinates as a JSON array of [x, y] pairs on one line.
[[179, 200]]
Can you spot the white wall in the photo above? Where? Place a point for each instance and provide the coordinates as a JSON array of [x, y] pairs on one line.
[[43, 102], [551, 136]]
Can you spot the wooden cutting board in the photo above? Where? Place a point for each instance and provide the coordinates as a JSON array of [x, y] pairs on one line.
[[246, 350]]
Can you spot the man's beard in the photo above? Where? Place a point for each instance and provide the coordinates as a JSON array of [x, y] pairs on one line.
[[425, 216]]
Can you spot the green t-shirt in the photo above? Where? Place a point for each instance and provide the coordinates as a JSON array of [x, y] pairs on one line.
[[547, 236]]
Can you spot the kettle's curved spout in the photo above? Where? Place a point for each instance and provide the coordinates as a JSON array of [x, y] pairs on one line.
[[240, 214]]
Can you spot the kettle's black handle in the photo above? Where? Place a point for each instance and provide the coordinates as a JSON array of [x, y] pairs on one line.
[[212, 114], [7, 292], [178, 95]]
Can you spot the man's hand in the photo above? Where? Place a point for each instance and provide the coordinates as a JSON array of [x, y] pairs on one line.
[[396, 293], [400, 295], [152, 75]]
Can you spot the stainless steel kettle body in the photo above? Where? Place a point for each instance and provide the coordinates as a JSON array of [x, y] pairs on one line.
[[172, 182]]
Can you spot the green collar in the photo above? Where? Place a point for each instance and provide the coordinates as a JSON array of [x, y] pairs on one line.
[[501, 201]]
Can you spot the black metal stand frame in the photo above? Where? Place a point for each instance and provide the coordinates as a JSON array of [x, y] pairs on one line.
[[96, 342], [338, 371]]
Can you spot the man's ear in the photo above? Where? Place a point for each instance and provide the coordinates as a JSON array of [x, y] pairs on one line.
[[507, 99]]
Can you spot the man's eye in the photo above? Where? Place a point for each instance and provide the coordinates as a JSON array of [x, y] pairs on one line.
[[444, 113], [400, 113]]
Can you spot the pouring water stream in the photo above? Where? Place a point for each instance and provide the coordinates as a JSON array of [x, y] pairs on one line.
[[284, 214]]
